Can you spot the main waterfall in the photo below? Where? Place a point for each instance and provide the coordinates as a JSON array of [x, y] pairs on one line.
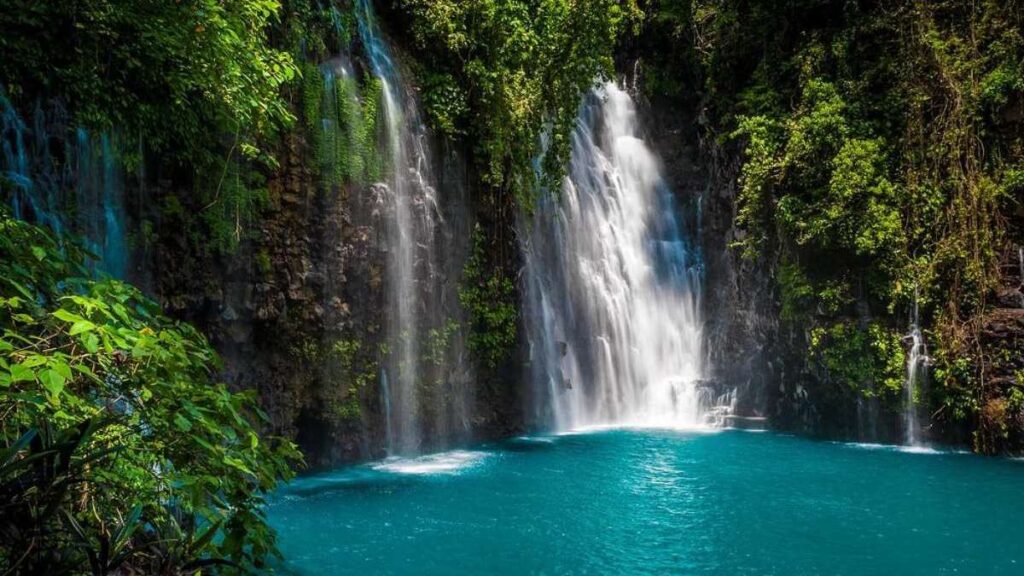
[[613, 284]]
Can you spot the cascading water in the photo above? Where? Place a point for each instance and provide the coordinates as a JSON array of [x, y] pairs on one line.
[[916, 358], [28, 167], [100, 215], [613, 284], [415, 267], [90, 187], [339, 121], [1020, 277]]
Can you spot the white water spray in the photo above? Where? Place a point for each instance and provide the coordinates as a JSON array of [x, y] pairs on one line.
[[613, 285]]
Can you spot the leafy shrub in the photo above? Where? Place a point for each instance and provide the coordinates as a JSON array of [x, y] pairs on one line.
[[119, 447], [489, 297], [178, 74]]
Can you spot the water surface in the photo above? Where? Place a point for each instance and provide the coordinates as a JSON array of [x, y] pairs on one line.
[[659, 502]]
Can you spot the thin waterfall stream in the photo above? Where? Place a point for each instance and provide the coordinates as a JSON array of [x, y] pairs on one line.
[[916, 358], [416, 270]]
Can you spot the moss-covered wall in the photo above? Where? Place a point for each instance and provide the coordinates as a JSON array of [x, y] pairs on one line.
[[864, 160]]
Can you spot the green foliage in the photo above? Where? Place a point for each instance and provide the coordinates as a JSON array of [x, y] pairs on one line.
[[354, 375], [438, 341], [667, 66], [881, 148], [177, 74], [489, 298], [236, 204], [263, 264], [502, 72], [757, 177], [341, 121], [348, 370], [796, 291], [831, 189], [195, 84], [158, 466], [956, 377], [312, 29], [868, 360]]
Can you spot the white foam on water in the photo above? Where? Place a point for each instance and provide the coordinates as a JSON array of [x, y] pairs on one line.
[[535, 439], [895, 448], [866, 445], [442, 463], [653, 425], [917, 449]]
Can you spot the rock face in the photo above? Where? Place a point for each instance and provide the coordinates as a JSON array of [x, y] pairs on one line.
[[296, 311], [999, 341]]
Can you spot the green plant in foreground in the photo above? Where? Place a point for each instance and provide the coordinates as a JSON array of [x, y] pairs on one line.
[[117, 448]]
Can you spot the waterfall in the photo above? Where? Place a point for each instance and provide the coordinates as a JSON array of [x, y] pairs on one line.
[[1020, 263], [15, 167], [1020, 277], [421, 397], [100, 210], [613, 284], [80, 191], [385, 393], [916, 358], [29, 169]]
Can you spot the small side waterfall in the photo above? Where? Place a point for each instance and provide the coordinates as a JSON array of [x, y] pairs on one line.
[[100, 201], [916, 358], [421, 396], [613, 284], [28, 167], [85, 196], [1020, 272]]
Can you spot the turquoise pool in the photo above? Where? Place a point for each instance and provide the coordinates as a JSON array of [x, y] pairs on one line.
[[659, 502]]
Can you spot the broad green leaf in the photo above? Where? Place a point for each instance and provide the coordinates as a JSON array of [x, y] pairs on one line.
[[33, 361], [53, 381], [67, 316], [237, 464], [20, 373], [81, 326], [61, 367], [91, 343]]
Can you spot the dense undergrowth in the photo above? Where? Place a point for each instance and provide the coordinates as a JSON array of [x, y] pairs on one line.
[[121, 453]]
